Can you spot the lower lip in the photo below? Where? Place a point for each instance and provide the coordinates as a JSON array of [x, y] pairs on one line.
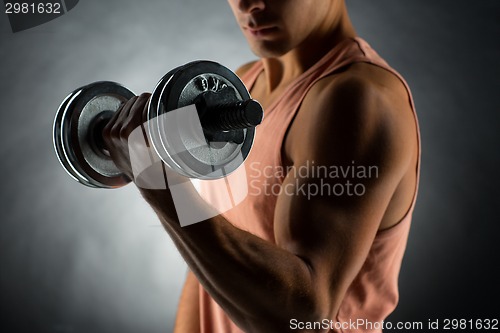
[[263, 32]]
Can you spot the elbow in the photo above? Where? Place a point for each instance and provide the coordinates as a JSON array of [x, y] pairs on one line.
[[315, 306], [314, 314], [310, 310], [300, 312], [303, 303], [316, 302]]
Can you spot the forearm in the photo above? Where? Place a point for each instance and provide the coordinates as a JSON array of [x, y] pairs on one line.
[[259, 285]]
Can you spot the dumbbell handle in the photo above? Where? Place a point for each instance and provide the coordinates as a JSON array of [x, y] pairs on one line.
[[232, 116], [96, 127], [221, 117]]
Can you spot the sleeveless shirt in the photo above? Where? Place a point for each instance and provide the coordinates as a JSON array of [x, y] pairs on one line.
[[373, 294]]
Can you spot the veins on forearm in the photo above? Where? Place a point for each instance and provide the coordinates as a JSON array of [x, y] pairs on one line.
[[248, 276]]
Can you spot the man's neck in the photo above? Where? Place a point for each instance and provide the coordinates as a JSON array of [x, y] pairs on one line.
[[281, 71]]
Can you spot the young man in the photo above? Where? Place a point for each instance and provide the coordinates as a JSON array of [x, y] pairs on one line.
[[290, 261]]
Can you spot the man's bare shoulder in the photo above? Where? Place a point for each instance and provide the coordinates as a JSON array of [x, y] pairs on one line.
[[359, 104], [244, 68], [359, 83], [363, 93]]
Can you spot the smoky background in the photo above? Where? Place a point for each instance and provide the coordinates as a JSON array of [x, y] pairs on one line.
[[74, 259]]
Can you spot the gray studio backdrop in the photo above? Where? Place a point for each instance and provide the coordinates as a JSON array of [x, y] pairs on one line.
[[74, 259]]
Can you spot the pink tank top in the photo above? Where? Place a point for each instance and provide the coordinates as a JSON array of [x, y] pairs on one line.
[[373, 294]]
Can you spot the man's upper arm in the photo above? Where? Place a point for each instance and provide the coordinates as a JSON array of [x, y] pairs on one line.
[[344, 134]]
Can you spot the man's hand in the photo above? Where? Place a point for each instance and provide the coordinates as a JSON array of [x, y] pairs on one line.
[[116, 133], [154, 181]]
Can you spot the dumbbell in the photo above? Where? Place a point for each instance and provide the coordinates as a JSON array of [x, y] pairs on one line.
[[227, 114]]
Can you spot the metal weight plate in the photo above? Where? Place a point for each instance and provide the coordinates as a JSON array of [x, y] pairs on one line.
[[181, 147], [72, 126], [57, 136], [154, 101]]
